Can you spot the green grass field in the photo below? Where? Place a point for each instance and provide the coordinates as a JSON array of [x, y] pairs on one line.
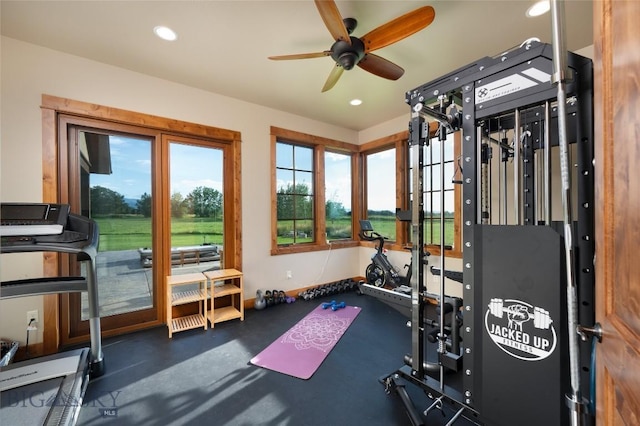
[[129, 233], [386, 226], [133, 232]]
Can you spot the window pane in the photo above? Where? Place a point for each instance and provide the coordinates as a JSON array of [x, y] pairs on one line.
[[304, 231], [303, 207], [381, 192], [284, 180], [449, 170], [434, 218], [448, 149], [285, 231], [304, 182], [449, 209], [285, 206], [338, 196], [303, 158], [435, 177], [426, 179], [284, 155], [434, 157], [196, 185], [116, 193]]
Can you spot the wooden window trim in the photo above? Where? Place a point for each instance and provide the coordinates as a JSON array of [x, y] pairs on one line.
[[320, 146]]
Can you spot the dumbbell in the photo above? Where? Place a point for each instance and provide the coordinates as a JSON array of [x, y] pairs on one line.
[[337, 306], [541, 318], [306, 295], [328, 304]]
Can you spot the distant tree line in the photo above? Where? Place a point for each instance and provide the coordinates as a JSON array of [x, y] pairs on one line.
[[296, 202], [201, 202]]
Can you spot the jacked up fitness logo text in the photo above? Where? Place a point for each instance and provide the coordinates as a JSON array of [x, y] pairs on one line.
[[521, 330]]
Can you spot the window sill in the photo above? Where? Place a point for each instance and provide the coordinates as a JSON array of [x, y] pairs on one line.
[[310, 247], [393, 246]]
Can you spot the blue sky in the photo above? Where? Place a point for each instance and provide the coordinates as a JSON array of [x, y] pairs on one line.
[[338, 180], [191, 166], [381, 181]]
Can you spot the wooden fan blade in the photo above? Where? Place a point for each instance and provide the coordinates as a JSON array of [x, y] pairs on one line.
[[380, 67], [398, 29], [333, 78], [301, 56], [333, 20]]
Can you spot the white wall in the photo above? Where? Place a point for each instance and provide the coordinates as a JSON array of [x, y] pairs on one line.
[[28, 71]]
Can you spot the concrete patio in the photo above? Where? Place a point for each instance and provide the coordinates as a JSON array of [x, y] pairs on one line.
[[124, 285]]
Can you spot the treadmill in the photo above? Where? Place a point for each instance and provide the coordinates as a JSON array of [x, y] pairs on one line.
[[49, 390]]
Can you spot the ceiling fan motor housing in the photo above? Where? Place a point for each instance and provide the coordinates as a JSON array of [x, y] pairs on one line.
[[348, 51], [348, 55]]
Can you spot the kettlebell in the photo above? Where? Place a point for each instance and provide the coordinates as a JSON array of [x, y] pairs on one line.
[[260, 303]]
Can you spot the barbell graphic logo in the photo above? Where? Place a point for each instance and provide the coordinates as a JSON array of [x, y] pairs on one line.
[[521, 330]]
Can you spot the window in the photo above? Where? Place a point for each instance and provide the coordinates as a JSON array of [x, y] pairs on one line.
[[436, 206], [321, 187], [385, 180], [388, 185], [313, 187], [338, 192], [294, 193], [381, 192]]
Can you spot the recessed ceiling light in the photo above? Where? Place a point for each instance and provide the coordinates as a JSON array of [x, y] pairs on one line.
[[539, 8], [165, 33], [355, 102]]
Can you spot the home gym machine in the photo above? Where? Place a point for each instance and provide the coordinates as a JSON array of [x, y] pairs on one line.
[[519, 359], [49, 390]]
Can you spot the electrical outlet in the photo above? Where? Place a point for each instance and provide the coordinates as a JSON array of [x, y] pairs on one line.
[[33, 315], [289, 275]]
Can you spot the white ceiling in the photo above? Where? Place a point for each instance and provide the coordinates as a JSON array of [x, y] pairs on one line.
[[222, 46]]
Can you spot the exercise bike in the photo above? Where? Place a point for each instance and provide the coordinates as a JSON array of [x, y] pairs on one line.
[[381, 272]]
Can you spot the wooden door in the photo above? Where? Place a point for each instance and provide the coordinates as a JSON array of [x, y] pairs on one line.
[[617, 142]]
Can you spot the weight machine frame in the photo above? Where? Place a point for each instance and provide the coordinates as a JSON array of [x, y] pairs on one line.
[[513, 90]]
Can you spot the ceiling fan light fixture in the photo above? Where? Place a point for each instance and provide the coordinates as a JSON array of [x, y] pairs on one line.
[[165, 33], [538, 8], [348, 60]]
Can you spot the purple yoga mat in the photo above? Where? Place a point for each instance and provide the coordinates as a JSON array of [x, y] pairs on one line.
[[300, 351]]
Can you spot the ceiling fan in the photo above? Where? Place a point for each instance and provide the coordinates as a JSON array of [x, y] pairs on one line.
[[348, 51]]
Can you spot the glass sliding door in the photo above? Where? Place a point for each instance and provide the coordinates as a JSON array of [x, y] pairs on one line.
[[121, 169], [115, 191], [196, 202]]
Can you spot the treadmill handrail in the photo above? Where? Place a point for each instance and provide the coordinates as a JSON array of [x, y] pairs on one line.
[[40, 286]]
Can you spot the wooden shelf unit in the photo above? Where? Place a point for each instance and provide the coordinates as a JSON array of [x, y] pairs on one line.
[[231, 285], [181, 297]]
